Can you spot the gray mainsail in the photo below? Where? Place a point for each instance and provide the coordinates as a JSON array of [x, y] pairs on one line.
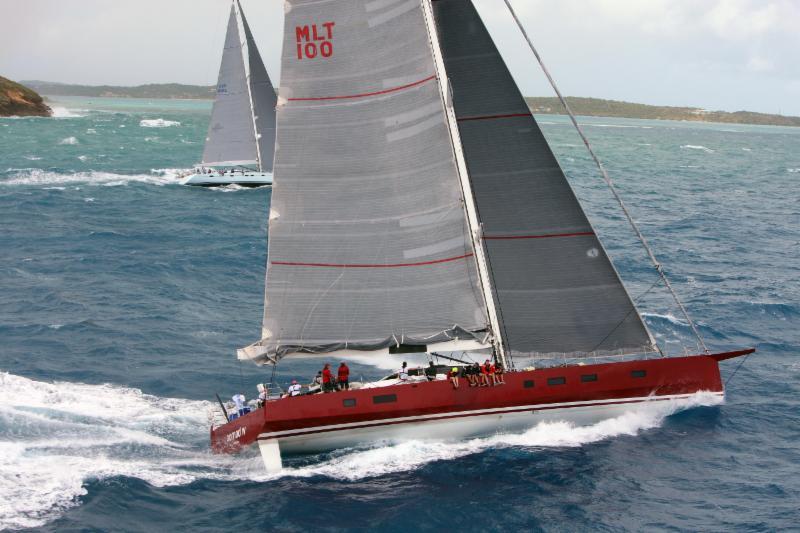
[[555, 288], [231, 138], [263, 99], [368, 242]]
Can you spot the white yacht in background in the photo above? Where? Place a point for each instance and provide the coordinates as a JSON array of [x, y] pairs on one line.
[[240, 143]]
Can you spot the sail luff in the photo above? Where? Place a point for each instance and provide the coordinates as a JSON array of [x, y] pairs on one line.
[[466, 187], [243, 34], [263, 100]]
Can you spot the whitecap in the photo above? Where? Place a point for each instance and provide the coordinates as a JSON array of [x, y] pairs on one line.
[[33, 158], [88, 200], [697, 147], [668, 317], [793, 170], [57, 436], [45, 177], [83, 157], [68, 140], [158, 123], [63, 112]]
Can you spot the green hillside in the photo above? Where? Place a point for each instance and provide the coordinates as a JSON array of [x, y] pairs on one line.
[[151, 90], [595, 107], [18, 100]]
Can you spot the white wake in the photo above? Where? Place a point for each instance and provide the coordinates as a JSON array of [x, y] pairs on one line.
[[55, 437]]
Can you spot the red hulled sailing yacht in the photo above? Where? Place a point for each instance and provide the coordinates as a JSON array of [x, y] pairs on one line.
[[417, 207]]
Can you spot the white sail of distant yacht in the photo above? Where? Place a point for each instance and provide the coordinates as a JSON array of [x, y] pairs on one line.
[[241, 133]]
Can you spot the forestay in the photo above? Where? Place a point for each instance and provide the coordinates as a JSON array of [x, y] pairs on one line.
[[263, 99], [368, 242], [231, 136], [555, 287]]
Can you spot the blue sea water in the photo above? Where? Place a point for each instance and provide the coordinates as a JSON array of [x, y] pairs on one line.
[[123, 296]]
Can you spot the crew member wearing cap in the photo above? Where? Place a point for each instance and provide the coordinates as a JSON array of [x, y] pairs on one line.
[[294, 388]]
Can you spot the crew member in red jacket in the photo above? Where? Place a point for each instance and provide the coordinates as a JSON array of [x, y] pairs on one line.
[[343, 377], [327, 379]]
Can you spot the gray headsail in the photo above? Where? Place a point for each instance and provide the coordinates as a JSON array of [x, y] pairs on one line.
[[555, 287], [231, 136], [263, 98], [368, 241]]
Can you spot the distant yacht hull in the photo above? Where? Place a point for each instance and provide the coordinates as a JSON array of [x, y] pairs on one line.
[[436, 411], [218, 179]]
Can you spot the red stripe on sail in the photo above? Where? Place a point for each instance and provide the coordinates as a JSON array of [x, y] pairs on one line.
[[490, 117], [547, 236], [362, 95], [374, 265]]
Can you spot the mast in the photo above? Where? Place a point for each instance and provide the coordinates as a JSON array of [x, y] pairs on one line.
[[476, 233], [246, 60]]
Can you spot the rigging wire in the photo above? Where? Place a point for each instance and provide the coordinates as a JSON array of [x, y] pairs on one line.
[[607, 179], [737, 369]]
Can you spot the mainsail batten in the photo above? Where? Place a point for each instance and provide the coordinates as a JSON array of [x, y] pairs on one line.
[[359, 98], [555, 287]]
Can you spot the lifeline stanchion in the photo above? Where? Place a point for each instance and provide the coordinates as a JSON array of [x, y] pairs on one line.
[[606, 177]]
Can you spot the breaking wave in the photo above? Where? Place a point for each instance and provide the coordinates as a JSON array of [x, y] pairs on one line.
[[110, 179], [793, 170], [158, 123], [55, 437], [63, 112], [68, 140], [697, 147]]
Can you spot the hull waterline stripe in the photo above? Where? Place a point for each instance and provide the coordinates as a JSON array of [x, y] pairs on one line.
[[466, 414], [550, 236], [363, 95], [491, 117], [374, 265]]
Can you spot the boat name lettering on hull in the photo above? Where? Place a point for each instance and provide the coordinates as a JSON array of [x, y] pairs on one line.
[[236, 435], [314, 40]]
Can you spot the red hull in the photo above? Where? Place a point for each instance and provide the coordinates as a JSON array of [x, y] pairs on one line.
[[573, 386]]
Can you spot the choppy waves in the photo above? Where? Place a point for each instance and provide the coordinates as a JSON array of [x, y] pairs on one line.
[[110, 179], [158, 123], [55, 437]]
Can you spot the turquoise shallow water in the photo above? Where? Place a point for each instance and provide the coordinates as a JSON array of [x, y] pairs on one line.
[[123, 296]]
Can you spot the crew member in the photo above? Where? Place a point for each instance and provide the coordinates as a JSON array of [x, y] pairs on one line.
[[454, 377], [343, 377], [238, 400], [263, 394], [295, 388], [327, 378], [498, 373], [403, 374], [430, 372]]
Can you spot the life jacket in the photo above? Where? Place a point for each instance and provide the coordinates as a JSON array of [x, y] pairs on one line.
[[344, 373], [326, 375]]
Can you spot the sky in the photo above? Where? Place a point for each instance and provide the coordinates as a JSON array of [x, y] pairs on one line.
[[716, 54]]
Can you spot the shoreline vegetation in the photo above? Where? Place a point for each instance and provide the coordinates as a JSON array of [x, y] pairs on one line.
[[592, 107], [17, 100]]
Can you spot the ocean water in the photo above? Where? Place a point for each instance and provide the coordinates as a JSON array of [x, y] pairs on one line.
[[123, 296]]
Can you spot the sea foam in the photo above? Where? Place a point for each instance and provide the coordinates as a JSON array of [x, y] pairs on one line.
[[697, 147], [68, 140], [158, 123], [44, 177], [58, 436]]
